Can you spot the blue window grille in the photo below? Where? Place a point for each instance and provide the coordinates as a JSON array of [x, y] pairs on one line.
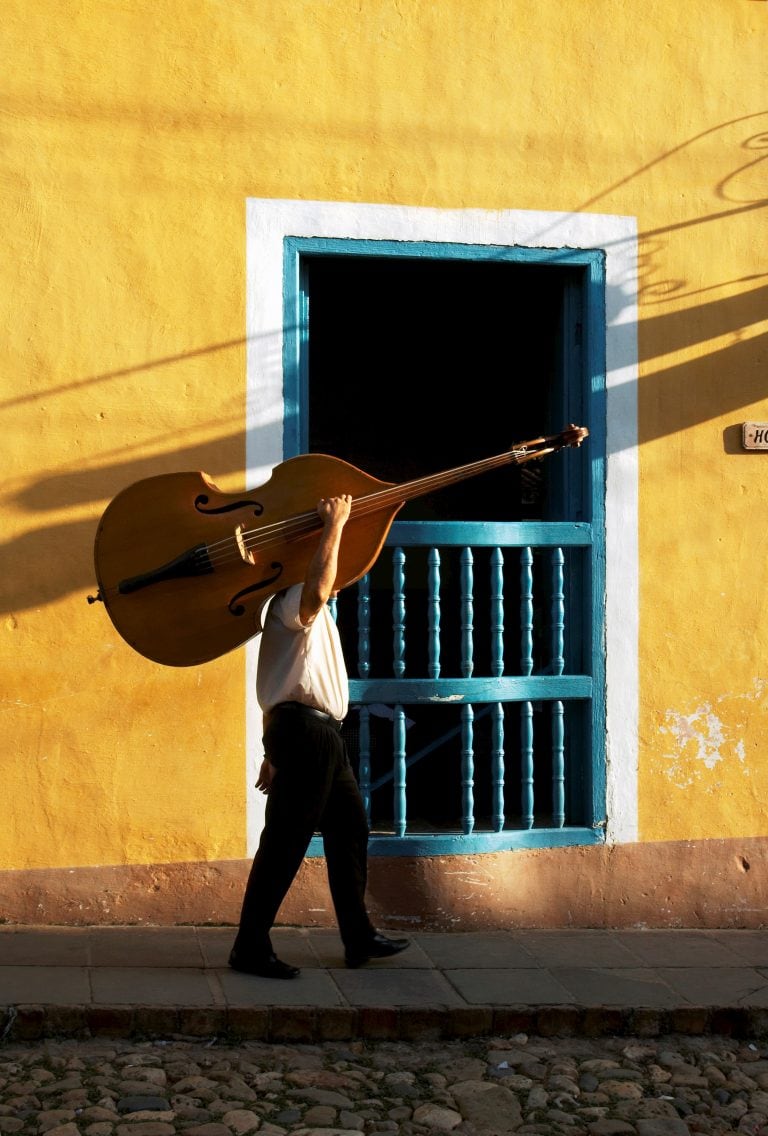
[[508, 702]]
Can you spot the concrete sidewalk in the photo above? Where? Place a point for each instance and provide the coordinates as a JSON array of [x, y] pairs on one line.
[[174, 982]]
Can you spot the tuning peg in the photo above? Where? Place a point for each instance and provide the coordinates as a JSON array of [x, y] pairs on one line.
[[576, 434]]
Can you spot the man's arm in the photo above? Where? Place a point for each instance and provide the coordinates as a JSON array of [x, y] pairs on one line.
[[321, 572]]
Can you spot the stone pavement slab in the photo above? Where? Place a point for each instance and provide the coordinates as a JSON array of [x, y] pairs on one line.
[[605, 986], [152, 986], [58, 985], [679, 948], [737, 986], [174, 981], [175, 947], [385, 986], [509, 986], [315, 987], [578, 948]]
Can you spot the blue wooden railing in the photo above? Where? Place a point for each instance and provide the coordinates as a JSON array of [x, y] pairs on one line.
[[535, 591]]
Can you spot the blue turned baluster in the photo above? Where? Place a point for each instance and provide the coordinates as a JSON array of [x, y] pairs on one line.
[[467, 713], [558, 710], [497, 612], [398, 740], [467, 770], [467, 613], [398, 666], [526, 611], [433, 613], [496, 708], [558, 764], [526, 667], [364, 763], [497, 766], [526, 763], [364, 627], [558, 612]]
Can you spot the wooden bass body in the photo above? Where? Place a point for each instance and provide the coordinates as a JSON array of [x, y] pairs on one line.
[[185, 570]]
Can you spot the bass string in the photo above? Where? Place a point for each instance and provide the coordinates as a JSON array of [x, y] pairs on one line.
[[300, 525]]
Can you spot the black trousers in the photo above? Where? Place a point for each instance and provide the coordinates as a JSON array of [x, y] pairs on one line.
[[313, 790]]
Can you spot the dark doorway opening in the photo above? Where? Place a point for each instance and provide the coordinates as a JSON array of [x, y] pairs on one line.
[[419, 366]]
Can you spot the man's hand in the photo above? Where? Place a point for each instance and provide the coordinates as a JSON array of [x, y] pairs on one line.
[[335, 510], [266, 773]]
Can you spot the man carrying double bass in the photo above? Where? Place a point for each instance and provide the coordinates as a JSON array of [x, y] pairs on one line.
[[303, 692]]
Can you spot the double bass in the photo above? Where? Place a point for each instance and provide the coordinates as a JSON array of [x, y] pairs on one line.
[[185, 570]]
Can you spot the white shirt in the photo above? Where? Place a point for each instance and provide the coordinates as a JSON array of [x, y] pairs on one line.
[[298, 663]]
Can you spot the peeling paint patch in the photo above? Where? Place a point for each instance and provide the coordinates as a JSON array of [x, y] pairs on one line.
[[701, 739], [703, 731]]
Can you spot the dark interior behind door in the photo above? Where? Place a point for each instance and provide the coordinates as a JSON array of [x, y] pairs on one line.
[[417, 366]]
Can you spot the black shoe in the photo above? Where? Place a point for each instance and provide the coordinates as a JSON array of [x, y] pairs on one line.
[[377, 947], [269, 967]]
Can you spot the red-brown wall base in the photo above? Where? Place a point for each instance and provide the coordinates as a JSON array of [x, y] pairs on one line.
[[707, 883]]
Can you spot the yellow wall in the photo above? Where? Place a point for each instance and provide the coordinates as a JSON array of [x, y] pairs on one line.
[[132, 133]]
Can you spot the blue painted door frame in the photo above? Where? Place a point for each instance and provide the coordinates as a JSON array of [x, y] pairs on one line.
[[581, 485]]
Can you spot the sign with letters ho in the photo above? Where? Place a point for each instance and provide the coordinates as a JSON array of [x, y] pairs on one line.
[[754, 435]]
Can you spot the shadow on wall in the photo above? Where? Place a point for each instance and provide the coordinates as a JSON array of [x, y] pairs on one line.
[[53, 561]]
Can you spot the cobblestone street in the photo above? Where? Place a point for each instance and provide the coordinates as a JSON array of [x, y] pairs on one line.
[[667, 1086]]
